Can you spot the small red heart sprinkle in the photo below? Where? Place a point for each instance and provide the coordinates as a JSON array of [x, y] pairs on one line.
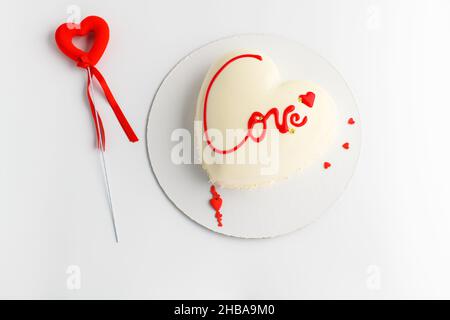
[[326, 165], [346, 145], [351, 121], [308, 99]]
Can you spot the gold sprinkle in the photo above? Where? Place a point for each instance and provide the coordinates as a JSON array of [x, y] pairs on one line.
[[300, 99], [291, 130]]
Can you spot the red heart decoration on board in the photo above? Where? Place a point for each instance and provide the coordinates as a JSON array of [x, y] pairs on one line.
[[346, 145], [66, 32], [326, 165], [351, 121], [216, 203], [307, 99]]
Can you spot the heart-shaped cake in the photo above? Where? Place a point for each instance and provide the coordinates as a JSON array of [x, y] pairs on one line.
[[254, 128]]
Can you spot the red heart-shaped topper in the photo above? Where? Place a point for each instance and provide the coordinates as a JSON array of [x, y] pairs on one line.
[[67, 31], [216, 203], [307, 99]]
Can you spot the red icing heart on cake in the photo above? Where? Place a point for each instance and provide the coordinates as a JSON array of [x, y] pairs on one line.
[[346, 145], [351, 121], [66, 32], [216, 203], [307, 99], [326, 165]]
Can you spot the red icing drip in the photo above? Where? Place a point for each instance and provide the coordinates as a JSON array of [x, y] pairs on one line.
[[216, 203], [351, 121], [346, 146], [326, 165], [256, 117]]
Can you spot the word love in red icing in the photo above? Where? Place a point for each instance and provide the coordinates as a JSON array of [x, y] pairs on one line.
[[257, 117], [216, 203]]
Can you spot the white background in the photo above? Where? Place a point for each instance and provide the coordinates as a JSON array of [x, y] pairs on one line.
[[387, 237]]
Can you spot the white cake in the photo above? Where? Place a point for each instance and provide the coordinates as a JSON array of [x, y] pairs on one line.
[[248, 81]]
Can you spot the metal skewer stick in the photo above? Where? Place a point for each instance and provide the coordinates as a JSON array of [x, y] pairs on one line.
[[103, 161]]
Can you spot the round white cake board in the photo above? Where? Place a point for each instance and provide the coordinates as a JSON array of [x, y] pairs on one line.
[[268, 211]]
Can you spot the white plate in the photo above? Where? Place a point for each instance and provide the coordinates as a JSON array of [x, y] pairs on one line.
[[269, 211]]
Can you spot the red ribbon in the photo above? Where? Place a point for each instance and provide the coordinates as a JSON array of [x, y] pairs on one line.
[[87, 60], [114, 106]]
